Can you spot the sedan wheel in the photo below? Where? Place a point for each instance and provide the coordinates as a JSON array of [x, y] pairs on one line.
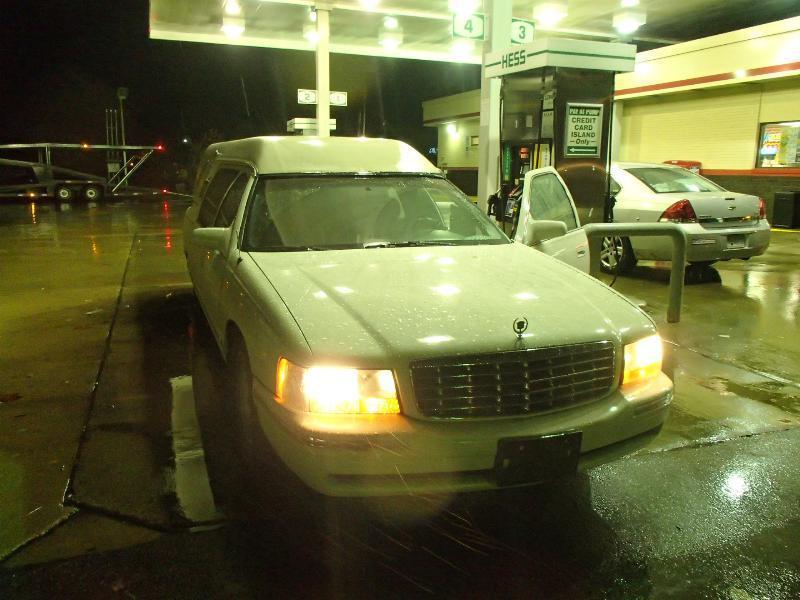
[[616, 255]]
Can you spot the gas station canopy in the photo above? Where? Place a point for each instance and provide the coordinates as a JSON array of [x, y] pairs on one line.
[[420, 29]]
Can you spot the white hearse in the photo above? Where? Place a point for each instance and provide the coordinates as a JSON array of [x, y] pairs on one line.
[[385, 337]]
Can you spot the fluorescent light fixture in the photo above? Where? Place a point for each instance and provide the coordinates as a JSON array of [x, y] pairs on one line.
[[451, 129], [549, 14], [233, 27], [310, 33], [739, 73], [233, 8], [629, 3], [464, 7], [370, 4], [390, 40], [628, 21], [462, 49], [390, 23]]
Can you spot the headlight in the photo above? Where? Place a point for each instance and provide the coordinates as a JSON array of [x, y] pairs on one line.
[[642, 360], [336, 390]]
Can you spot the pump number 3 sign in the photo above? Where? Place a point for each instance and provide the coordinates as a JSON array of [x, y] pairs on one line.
[[584, 126]]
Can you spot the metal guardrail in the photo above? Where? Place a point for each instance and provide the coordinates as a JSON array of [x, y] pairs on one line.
[[597, 231]]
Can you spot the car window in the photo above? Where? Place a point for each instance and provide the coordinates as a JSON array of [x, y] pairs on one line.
[[664, 180], [328, 212], [16, 175], [230, 204], [214, 194], [549, 201]]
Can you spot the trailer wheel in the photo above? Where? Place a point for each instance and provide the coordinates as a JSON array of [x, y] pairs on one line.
[[64, 193], [93, 193]]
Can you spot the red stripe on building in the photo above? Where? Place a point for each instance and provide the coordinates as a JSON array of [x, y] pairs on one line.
[[794, 66]]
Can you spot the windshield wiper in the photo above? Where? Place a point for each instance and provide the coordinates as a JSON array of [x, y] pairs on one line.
[[290, 248], [411, 243]]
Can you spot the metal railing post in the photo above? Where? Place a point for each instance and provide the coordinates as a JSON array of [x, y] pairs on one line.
[[597, 231]]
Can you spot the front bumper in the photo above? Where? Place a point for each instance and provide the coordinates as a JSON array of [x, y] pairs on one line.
[[393, 454], [708, 244]]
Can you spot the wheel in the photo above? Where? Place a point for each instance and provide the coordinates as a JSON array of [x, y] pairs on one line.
[[616, 255], [241, 409], [93, 193], [64, 193]]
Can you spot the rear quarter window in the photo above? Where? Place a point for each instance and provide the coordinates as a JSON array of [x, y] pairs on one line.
[[214, 194]]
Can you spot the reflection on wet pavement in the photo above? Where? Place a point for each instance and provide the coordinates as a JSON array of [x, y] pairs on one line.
[[709, 508]]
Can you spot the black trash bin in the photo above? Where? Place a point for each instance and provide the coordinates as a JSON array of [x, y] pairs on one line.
[[786, 212]]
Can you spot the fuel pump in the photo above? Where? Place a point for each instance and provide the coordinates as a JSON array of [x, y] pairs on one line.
[[555, 110]]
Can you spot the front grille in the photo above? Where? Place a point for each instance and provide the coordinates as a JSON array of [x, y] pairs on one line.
[[518, 382]]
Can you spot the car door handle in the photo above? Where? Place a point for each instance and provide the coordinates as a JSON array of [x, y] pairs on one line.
[[582, 252]]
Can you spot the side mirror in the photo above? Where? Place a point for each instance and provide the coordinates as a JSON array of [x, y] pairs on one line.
[[539, 231], [212, 239]]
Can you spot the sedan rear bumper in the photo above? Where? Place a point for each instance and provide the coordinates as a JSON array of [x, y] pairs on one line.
[[708, 244]]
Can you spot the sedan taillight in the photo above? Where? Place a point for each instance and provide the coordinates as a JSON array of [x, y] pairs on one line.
[[680, 212], [762, 209]]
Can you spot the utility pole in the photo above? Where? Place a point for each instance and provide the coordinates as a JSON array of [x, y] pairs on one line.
[[122, 94]]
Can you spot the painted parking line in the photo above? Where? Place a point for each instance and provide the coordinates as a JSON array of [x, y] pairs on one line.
[[192, 487], [781, 230]]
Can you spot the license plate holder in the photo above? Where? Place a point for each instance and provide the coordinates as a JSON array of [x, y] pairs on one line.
[[737, 240], [522, 460]]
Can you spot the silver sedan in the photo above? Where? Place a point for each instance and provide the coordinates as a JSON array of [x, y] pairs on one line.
[[719, 224]]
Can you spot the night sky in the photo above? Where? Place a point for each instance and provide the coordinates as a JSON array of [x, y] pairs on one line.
[[62, 61]]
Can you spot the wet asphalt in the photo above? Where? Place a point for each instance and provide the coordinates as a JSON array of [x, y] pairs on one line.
[[109, 488]]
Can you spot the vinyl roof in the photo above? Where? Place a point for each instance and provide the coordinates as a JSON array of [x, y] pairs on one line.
[[310, 154]]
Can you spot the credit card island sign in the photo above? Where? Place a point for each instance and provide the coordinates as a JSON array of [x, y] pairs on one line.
[[584, 129]]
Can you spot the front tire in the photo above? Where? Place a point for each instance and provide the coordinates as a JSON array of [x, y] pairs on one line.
[[241, 408], [616, 255]]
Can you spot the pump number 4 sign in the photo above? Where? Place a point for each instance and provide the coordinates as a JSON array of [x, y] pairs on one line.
[[468, 26], [583, 130]]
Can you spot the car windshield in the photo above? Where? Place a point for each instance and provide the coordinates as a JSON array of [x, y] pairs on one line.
[[663, 180], [334, 212]]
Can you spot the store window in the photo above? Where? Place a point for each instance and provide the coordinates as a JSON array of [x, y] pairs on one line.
[[779, 145]]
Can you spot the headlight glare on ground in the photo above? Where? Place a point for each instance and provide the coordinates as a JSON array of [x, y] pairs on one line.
[[336, 390], [642, 360]]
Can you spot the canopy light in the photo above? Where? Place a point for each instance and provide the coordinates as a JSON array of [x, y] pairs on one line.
[[370, 4], [628, 21], [629, 3], [390, 39], [462, 48], [464, 7], [549, 14], [310, 33], [390, 23], [233, 27], [233, 8]]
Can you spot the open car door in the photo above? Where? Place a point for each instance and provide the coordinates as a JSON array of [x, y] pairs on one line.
[[546, 202]]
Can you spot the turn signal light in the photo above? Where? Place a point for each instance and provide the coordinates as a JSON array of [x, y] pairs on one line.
[[762, 209], [680, 212], [642, 360]]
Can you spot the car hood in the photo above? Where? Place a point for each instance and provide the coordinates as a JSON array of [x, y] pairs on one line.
[[367, 306]]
